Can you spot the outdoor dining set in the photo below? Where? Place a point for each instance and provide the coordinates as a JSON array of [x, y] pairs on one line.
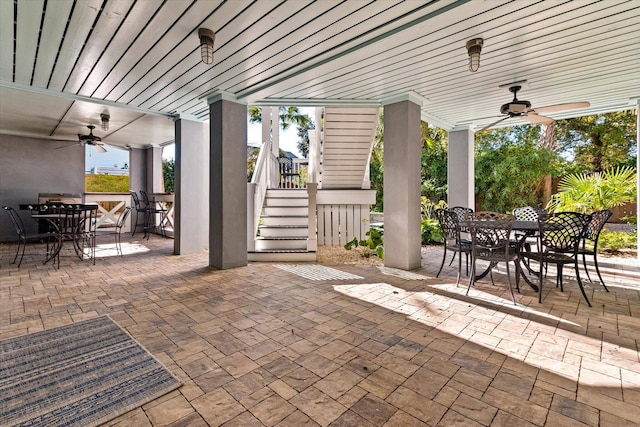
[[530, 237], [81, 225], [58, 223]]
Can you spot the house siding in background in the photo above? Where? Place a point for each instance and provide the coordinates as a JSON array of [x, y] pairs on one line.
[[113, 162]]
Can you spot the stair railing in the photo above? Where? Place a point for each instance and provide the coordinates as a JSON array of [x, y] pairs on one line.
[[266, 169]]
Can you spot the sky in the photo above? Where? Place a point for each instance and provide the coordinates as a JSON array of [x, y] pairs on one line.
[[288, 138]]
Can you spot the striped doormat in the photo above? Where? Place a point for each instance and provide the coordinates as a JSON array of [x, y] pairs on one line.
[[82, 374]]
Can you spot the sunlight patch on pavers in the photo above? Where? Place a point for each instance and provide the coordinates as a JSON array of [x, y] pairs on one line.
[[108, 250], [317, 272], [402, 274]]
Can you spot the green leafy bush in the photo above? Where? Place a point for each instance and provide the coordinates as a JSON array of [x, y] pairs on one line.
[[371, 246], [430, 231], [586, 193], [614, 241]]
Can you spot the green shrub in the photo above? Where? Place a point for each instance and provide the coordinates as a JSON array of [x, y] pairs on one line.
[[614, 241], [430, 231], [373, 245]]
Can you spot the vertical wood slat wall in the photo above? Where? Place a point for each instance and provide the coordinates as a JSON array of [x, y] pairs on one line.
[[338, 224]]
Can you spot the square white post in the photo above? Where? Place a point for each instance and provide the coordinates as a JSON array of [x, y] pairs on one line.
[[191, 218], [402, 148], [461, 168], [228, 182]]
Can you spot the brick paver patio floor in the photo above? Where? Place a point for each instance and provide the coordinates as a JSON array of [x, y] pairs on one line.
[[352, 346]]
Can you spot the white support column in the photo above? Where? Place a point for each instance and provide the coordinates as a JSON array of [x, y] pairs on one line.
[[155, 180], [228, 182], [402, 148], [265, 115], [137, 169], [638, 170], [275, 131], [312, 241], [191, 220], [315, 139], [461, 168]]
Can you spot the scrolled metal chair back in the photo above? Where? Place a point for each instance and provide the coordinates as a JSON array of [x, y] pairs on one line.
[[562, 231], [449, 223], [528, 213], [598, 220], [461, 212], [489, 230]]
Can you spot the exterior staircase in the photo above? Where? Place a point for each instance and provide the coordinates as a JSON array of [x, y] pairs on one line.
[[284, 228], [346, 146]]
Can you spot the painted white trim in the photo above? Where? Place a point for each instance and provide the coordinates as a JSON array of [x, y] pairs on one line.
[[346, 197], [220, 95], [74, 97], [412, 96], [300, 102]]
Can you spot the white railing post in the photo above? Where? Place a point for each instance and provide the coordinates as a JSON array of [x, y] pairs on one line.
[[314, 148], [251, 221], [261, 180], [312, 241]]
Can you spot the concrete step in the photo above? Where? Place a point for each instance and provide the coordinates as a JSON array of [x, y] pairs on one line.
[[286, 193], [287, 231], [291, 211], [276, 221], [280, 244], [282, 256], [286, 201]]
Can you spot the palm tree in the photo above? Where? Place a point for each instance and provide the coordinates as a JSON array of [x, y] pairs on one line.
[[593, 192], [288, 116]]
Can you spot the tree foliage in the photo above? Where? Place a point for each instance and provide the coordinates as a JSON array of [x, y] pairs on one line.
[[376, 165], [305, 124], [434, 162], [288, 116], [589, 192], [598, 142], [510, 167], [168, 174]]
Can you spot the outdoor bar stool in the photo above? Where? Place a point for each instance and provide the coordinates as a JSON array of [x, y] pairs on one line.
[[152, 211], [138, 209]]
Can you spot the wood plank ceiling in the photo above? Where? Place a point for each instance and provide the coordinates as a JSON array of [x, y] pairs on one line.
[[64, 62]]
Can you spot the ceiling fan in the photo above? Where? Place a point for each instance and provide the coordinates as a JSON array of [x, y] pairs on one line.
[[91, 139], [522, 109]]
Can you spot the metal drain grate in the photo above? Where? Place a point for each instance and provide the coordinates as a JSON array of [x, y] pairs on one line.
[[317, 272]]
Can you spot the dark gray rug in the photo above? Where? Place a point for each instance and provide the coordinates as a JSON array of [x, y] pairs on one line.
[[82, 374]]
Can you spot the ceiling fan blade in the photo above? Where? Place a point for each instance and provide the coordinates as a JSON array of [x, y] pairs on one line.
[[561, 107], [68, 145], [494, 123], [537, 118], [99, 148]]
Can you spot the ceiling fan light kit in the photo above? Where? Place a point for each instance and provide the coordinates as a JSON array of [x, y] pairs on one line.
[[522, 109], [515, 107], [92, 140], [474, 47], [207, 37]]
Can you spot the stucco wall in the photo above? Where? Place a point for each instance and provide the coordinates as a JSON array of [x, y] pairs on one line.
[[29, 166]]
